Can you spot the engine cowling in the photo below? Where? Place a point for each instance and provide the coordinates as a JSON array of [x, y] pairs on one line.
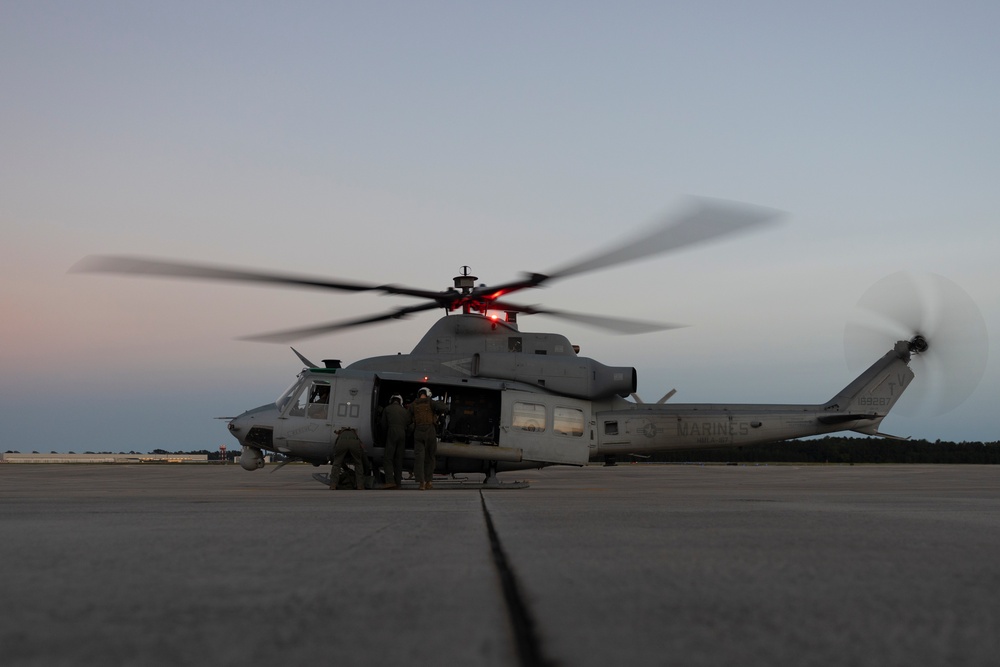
[[251, 458], [579, 377]]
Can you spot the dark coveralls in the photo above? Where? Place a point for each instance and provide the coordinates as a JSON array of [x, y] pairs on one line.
[[395, 418], [425, 438], [347, 444]]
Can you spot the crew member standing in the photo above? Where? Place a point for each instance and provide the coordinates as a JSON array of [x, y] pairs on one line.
[[423, 412], [395, 418], [348, 444]]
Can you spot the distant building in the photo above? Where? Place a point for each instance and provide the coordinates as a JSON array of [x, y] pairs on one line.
[[103, 458]]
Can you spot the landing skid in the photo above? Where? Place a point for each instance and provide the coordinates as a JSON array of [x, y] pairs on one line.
[[449, 484]]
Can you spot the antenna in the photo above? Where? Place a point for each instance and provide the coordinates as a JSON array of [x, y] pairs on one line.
[[465, 282]]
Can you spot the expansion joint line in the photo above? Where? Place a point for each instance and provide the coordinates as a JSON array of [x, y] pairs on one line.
[[529, 649]]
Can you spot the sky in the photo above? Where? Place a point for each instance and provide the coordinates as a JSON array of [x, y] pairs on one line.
[[394, 142]]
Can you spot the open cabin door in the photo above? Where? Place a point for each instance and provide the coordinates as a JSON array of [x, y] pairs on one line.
[[548, 429], [473, 415]]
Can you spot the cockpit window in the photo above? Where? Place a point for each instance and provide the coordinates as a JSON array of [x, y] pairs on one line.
[[309, 399], [319, 401], [286, 396], [297, 403]]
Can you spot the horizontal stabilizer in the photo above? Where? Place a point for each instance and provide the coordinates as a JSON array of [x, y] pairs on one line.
[[873, 430], [841, 418]]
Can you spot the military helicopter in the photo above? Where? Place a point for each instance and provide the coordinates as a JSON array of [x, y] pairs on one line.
[[520, 399]]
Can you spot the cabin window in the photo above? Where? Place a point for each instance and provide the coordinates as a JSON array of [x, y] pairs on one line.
[[514, 344], [319, 401], [528, 417], [568, 421], [352, 410], [610, 428]]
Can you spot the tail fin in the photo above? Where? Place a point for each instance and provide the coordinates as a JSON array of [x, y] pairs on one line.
[[869, 398]]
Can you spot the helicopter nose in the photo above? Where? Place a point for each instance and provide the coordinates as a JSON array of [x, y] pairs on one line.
[[254, 427], [237, 426]]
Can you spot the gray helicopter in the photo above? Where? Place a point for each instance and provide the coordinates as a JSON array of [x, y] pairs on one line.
[[518, 400]]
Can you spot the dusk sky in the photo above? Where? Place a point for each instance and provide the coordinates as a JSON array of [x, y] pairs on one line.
[[394, 142]]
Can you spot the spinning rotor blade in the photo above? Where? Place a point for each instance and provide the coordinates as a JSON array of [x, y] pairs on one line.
[[288, 335], [705, 220], [901, 306], [169, 269], [614, 324]]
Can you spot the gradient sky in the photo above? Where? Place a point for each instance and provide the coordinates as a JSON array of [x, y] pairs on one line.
[[397, 141]]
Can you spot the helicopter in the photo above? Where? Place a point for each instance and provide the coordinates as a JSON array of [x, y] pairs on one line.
[[518, 399]]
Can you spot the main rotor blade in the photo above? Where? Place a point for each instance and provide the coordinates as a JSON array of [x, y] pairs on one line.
[[288, 335], [705, 220], [169, 269], [615, 324]]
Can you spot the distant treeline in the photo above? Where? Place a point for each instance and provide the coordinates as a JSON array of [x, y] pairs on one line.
[[844, 450], [819, 450]]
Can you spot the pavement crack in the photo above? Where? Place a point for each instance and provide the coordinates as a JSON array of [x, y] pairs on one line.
[[529, 649]]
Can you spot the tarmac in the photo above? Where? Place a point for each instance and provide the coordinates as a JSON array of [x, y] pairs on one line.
[[167, 564]]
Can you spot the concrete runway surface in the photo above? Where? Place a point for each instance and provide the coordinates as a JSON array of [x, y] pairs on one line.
[[635, 564]]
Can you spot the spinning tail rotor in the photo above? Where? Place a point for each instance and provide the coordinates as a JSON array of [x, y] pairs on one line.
[[945, 331]]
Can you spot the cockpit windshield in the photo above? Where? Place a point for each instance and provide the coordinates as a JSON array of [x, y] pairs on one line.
[[288, 394]]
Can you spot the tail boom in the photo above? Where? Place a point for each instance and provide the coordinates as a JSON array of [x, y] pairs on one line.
[[860, 406]]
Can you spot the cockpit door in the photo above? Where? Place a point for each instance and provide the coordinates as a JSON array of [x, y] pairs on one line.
[[352, 404], [304, 427]]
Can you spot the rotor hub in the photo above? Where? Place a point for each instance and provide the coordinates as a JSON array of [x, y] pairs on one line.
[[466, 282], [918, 344]]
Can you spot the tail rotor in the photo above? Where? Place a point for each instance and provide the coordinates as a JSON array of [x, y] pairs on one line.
[[945, 330], [946, 333]]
